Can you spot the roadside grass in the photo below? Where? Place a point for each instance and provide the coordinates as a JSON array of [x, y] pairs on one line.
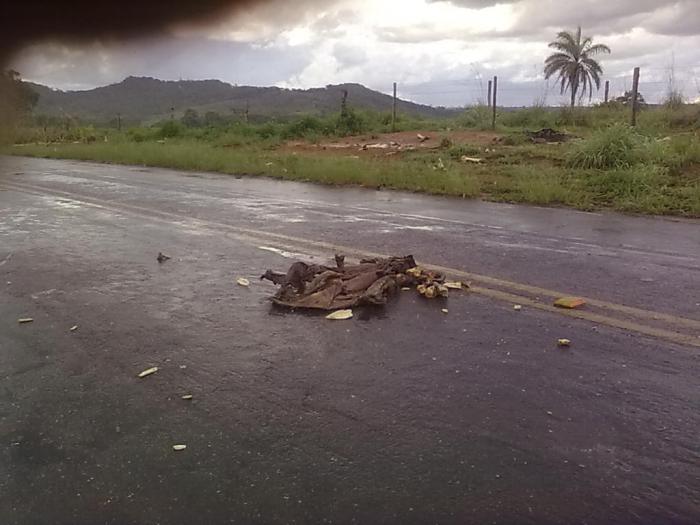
[[653, 168], [663, 177]]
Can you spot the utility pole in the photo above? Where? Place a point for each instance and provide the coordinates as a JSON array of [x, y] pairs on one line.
[[607, 90], [393, 111], [488, 96], [635, 92], [495, 91]]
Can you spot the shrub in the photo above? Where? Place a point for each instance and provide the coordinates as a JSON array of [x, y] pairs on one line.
[[170, 129], [349, 123], [478, 117], [612, 147], [534, 118]]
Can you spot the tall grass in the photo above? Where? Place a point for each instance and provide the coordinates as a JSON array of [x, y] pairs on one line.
[[620, 146], [612, 147]]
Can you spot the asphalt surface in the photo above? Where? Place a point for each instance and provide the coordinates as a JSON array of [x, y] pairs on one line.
[[404, 414]]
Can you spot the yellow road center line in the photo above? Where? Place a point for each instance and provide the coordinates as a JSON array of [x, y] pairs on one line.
[[300, 243]]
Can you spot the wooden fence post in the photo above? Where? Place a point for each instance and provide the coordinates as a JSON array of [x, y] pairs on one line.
[[494, 103], [607, 90], [488, 96], [393, 111], [635, 92]]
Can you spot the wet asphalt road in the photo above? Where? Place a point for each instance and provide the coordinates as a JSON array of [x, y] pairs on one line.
[[401, 415]]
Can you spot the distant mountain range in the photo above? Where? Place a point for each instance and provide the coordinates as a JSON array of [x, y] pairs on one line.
[[144, 99]]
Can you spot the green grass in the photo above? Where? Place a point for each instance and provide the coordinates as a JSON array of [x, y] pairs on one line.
[[413, 175], [654, 168], [660, 178]]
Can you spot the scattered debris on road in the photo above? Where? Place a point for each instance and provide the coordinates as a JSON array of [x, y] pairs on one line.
[[422, 138], [179, 447], [517, 307], [564, 342], [371, 281], [148, 371], [445, 310], [570, 302], [242, 281], [73, 328], [340, 315], [187, 397], [24, 320], [162, 257]]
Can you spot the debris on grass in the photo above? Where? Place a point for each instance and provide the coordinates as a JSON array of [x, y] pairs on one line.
[[148, 371], [162, 257], [381, 145], [340, 315], [179, 447], [242, 281], [564, 342], [24, 320], [570, 302], [343, 286], [548, 136], [475, 160]]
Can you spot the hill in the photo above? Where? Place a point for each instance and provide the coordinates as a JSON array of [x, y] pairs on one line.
[[142, 99]]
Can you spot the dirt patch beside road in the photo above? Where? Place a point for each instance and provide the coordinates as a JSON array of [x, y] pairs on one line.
[[383, 143]]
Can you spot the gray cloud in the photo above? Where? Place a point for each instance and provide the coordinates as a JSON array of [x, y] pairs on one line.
[[167, 59], [678, 18], [339, 42], [349, 56]]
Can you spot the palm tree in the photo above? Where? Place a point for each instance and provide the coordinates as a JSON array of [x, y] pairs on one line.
[[574, 64]]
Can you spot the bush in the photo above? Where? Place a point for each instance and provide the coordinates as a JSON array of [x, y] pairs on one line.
[[306, 127], [533, 118], [568, 116], [612, 147], [349, 123], [478, 117], [170, 129]]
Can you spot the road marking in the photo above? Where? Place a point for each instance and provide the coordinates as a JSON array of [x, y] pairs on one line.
[[299, 244], [376, 211]]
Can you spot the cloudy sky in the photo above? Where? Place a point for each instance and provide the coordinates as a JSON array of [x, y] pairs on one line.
[[439, 52]]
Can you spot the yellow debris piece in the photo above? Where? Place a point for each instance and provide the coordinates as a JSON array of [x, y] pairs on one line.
[[340, 315], [148, 371], [242, 281], [569, 302], [564, 342]]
